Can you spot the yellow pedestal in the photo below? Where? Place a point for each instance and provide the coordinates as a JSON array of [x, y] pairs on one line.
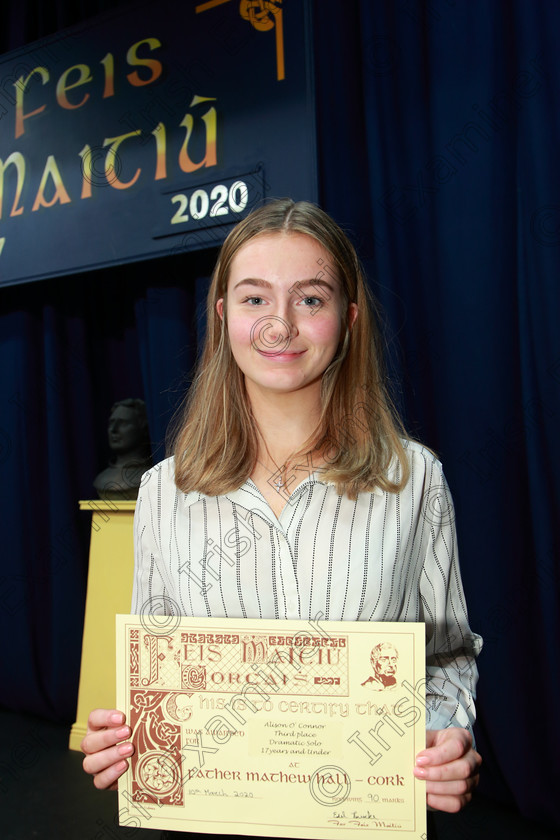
[[109, 591]]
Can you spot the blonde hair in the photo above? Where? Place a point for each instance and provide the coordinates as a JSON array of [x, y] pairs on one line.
[[214, 439]]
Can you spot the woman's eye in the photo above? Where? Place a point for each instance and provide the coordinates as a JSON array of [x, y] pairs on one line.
[[312, 301], [254, 301]]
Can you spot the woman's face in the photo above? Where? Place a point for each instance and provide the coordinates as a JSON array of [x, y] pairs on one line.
[[284, 312]]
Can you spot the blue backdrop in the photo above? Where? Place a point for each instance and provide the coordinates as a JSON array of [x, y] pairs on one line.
[[437, 139]]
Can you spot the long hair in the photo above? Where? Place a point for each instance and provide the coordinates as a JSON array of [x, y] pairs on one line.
[[214, 438]]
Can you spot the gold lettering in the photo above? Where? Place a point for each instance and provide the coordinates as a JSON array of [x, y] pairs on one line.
[[62, 87], [111, 159], [60, 194], [87, 172], [109, 65], [133, 60], [20, 87], [160, 135], [209, 118], [17, 159]]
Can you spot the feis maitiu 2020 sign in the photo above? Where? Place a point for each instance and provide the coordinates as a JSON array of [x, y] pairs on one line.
[[151, 131]]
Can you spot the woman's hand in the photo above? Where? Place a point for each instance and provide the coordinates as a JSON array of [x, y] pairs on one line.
[[450, 766], [105, 757]]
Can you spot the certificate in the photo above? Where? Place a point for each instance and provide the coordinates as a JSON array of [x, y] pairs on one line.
[[273, 728]]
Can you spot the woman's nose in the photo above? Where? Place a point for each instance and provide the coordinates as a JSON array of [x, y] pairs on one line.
[[273, 334], [282, 324]]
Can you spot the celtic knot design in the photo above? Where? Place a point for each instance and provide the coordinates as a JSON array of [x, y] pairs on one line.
[[260, 13], [263, 15]]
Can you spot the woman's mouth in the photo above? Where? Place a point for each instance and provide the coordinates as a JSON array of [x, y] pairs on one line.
[[281, 354]]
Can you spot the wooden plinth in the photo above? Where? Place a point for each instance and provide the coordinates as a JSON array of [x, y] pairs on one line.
[[109, 591]]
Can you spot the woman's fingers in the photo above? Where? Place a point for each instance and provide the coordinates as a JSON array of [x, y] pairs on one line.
[[104, 747], [449, 765], [102, 718], [100, 740], [106, 768]]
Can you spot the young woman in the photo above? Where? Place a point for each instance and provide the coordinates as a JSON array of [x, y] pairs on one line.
[[294, 492]]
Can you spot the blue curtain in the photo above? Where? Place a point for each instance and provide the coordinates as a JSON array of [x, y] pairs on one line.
[[70, 348], [439, 133], [437, 127]]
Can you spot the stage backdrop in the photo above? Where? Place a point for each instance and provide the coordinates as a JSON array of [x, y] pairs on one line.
[[151, 130]]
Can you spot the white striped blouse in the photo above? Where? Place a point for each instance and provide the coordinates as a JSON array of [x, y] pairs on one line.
[[382, 557]]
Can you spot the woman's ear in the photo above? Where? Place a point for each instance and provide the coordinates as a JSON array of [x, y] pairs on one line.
[[352, 314], [220, 308]]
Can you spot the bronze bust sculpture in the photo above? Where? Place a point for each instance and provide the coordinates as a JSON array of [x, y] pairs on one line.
[[129, 442]]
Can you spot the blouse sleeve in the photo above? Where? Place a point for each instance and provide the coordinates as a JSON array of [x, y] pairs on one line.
[[149, 595], [451, 646]]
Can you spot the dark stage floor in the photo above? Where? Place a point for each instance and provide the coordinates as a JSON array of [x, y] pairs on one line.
[[45, 795]]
